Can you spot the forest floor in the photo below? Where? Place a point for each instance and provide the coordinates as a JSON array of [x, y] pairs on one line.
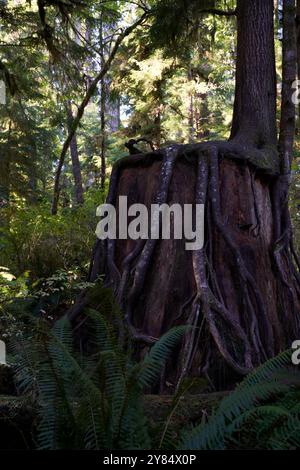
[[189, 410], [17, 414]]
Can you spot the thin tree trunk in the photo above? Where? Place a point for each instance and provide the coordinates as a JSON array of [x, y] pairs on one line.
[[33, 187], [157, 128], [103, 133], [202, 119], [289, 73], [103, 100], [114, 115], [298, 50], [33, 171], [191, 110], [75, 158], [89, 93], [5, 176]]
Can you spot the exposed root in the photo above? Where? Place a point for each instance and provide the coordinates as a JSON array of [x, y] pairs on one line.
[[284, 253], [207, 300], [144, 261], [127, 265], [256, 229], [244, 338], [246, 279]]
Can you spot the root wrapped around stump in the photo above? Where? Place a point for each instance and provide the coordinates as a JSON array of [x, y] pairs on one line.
[[241, 291]]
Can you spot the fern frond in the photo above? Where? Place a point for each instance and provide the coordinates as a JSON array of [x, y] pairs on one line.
[[269, 381], [159, 353]]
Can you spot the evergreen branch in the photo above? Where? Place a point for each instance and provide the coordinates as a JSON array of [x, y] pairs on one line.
[[89, 93], [218, 12]]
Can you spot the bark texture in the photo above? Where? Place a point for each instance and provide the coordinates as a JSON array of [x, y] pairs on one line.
[[254, 117], [298, 47], [75, 159], [289, 74]]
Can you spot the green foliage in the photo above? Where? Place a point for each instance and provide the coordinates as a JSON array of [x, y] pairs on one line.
[[51, 55], [10, 286], [179, 21], [92, 402], [262, 413], [95, 401], [178, 95], [153, 362], [35, 241]]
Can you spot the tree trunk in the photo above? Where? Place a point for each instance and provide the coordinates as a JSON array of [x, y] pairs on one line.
[[32, 176], [103, 98], [298, 48], [254, 117], [241, 291], [191, 110], [75, 159], [202, 116], [5, 163], [114, 113], [102, 131], [289, 73]]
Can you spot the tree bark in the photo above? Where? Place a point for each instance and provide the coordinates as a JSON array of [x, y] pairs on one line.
[[75, 158], [103, 99], [202, 116], [254, 116], [5, 162], [102, 131], [289, 73], [298, 46], [191, 110], [241, 291], [114, 113]]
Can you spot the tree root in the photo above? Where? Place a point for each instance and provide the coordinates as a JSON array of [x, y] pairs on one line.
[[143, 263], [208, 301], [242, 340]]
